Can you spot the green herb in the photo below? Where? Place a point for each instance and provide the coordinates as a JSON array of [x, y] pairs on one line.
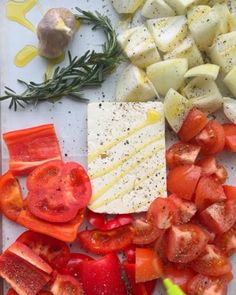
[[85, 71]]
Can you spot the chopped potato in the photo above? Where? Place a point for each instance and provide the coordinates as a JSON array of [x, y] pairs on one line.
[[186, 49], [167, 74], [156, 8], [230, 81], [180, 6], [139, 46], [126, 6], [207, 70], [223, 13], [232, 22], [232, 6], [229, 106], [168, 32], [176, 108], [134, 85]]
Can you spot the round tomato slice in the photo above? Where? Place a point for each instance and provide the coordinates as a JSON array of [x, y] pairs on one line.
[[185, 243], [227, 242], [53, 251], [183, 180], [103, 242], [212, 262], [212, 138]]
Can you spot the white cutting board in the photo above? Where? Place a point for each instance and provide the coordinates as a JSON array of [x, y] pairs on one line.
[[68, 116]]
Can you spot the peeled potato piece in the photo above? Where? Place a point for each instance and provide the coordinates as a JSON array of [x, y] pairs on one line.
[[134, 85], [139, 46], [223, 13], [156, 8], [180, 6], [176, 108], [229, 106], [230, 81], [168, 31], [204, 94], [167, 74], [186, 49], [126, 6], [207, 70]]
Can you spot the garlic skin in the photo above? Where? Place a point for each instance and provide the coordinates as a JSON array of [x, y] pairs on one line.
[[55, 31]]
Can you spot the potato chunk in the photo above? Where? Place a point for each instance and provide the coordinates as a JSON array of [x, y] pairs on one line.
[[230, 81], [156, 8], [126, 6]]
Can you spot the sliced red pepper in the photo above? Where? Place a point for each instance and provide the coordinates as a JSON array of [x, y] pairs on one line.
[[29, 148], [71, 267], [130, 253], [66, 285]]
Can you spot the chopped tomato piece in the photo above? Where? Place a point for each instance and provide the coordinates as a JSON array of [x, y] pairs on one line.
[[12, 292], [144, 270], [57, 191], [11, 201], [230, 137], [71, 266], [219, 217], [230, 192], [66, 232], [53, 251], [102, 276], [227, 242], [150, 286], [212, 262], [193, 124], [29, 148], [66, 285], [183, 180], [212, 138], [102, 242], [145, 232], [210, 234], [161, 213], [181, 153], [208, 191], [185, 243], [160, 246]]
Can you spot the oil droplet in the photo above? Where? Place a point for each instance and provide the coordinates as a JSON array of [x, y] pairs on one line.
[[16, 11], [153, 116], [25, 55], [51, 63]]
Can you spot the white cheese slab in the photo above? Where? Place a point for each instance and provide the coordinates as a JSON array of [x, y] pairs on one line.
[[126, 155]]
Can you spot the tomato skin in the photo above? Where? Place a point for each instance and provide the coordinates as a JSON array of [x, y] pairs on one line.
[[66, 285], [185, 243], [212, 262], [227, 242], [103, 242], [145, 232], [230, 137], [208, 191], [144, 270], [212, 138], [193, 124], [230, 192], [12, 292], [181, 154], [183, 180], [71, 266], [11, 201]]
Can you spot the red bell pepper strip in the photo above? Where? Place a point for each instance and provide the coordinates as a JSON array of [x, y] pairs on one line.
[[66, 285], [130, 253], [29, 148]]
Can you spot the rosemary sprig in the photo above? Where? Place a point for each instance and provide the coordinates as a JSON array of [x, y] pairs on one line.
[[88, 70]]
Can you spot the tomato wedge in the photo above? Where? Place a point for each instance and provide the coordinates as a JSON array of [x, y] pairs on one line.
[[227, 242], [230, 137], [144, 270], [71, 266], [29, 148], [212, 138], [230, 192], [11, 201], [103, 242], [66, 285], [181, 154], [185, 243], [212, 262], [193, 124], [145, 232], [183, 180]]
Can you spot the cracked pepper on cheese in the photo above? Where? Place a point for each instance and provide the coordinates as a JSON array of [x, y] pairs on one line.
[[126, 155]]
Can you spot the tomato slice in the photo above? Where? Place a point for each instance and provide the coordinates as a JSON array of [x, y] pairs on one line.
[[12, 292], [208, 191], [230, 137], [144, 270], [219, 217], [185, 243], [103, 242], [66, 232], [183, 180], [203, 285], [181, 154], [227, 242], [11, 201], [212, 138], [230, 192], [66, 285], [29, 148], [102, 276], [212, 262], [53, 251], [193, 124], [71, 267]]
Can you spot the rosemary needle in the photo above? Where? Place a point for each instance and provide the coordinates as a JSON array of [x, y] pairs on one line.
[[88, 70]]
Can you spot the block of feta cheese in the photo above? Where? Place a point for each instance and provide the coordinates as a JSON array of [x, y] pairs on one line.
[[126, 155]]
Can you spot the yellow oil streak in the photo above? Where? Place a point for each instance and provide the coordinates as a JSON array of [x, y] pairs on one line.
[[128, 189], [131, 167], [51, 63], [25, 56], [115, 165], [16, 11], [78, 24], [152, 117]]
